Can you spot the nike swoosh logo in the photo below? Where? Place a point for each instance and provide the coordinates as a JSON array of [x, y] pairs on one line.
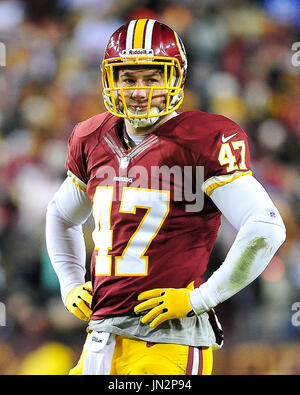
[[225, 139]]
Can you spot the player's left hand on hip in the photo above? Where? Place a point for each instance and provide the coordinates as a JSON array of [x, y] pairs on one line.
[[164, 304], [79, 300]]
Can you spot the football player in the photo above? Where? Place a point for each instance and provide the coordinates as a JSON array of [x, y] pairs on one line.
[[136, 168]]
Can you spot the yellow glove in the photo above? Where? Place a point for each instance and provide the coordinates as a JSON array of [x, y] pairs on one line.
[[165, 304], [79, 300]]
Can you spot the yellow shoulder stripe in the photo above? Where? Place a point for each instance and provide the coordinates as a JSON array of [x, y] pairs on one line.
[[215, 182], [81, 185]]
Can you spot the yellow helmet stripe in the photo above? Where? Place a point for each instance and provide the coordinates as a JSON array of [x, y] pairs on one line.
[[139, 33], [179, 47]]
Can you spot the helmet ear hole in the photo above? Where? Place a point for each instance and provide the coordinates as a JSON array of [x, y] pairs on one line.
[[176, 99]]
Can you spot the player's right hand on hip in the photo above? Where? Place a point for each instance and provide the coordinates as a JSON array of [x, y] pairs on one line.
[[79, 300]]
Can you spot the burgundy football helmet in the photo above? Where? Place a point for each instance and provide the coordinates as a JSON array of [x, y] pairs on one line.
[[144, 42]]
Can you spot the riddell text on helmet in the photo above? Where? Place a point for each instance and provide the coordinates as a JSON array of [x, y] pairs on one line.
[[139, 51]]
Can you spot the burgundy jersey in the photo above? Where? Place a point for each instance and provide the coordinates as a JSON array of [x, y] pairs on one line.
[[154, 227]]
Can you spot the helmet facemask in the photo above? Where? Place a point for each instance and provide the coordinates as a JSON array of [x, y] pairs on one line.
[[114, 95]]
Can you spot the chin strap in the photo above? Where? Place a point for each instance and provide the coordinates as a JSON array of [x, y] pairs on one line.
[[142, 122]]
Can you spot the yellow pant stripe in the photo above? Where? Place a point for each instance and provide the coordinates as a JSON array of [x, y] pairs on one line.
[[207, 356]]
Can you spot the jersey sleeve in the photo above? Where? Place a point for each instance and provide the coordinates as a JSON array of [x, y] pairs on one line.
[[76, 161], [227, 155]]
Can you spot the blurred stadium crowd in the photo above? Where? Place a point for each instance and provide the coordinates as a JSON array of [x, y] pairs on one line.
[[240, 65]]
